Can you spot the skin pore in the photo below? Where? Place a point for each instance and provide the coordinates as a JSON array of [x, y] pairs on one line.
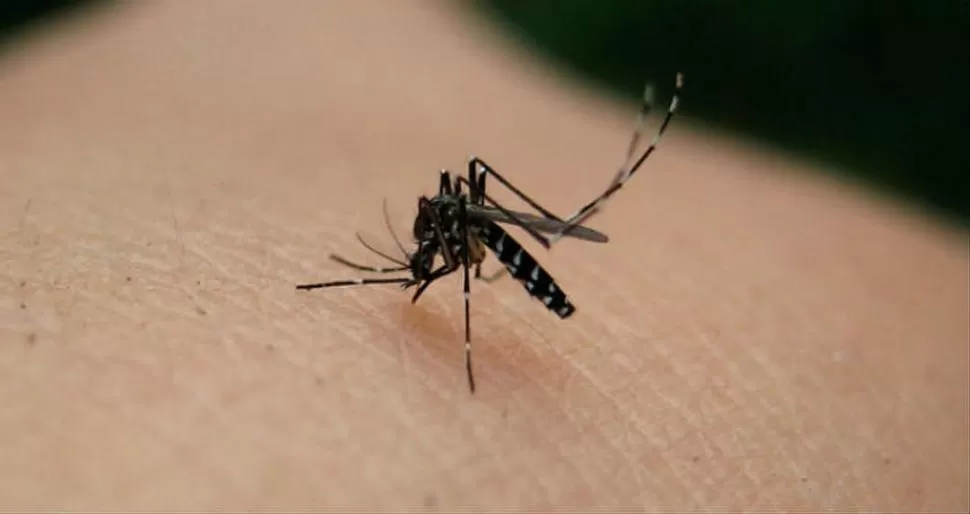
[[754, 333]]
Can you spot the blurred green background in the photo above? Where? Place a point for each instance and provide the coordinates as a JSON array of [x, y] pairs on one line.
[[17, 16], [877, 89]]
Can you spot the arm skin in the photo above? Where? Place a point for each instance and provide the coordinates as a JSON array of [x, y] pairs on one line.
[[753, 334]]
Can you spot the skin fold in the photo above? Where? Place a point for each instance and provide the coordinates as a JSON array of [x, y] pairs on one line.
[[755, 333]]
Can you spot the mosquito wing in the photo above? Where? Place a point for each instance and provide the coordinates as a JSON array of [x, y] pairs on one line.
[[537, 222]]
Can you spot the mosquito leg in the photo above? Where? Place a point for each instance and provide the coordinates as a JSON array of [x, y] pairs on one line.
[[490, 278], [444, 183], [354, 282], [476, 193], [463, 214], [473, 164], [511, 215], [579, 217], [435, 275], [425, 206], [493, 277], [645, 108], [477, 197]]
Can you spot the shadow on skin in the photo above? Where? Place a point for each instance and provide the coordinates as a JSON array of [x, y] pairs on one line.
[[502, 359]]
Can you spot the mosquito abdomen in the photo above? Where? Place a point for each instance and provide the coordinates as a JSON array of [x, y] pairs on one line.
[[524, 268]]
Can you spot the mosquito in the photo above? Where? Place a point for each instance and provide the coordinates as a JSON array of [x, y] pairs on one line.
[[459, 226]]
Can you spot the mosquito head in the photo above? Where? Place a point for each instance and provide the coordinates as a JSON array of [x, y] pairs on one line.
[[421, 262]]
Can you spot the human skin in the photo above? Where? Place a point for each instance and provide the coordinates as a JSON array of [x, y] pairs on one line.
[[755, 332]]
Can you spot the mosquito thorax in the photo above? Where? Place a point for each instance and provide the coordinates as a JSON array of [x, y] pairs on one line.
[[445, 208]]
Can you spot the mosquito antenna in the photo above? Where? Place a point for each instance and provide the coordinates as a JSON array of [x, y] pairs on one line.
[[390, 228], [362, 267], [378, 252]]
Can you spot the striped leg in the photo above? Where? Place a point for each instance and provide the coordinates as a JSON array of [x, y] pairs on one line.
[[463, 214], [582, 215], [354, 282]]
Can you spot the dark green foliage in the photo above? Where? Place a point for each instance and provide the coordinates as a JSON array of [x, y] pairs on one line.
[[17, 15], [880, 88]]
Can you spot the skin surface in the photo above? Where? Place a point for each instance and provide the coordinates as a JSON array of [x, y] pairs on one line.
[[755, 333]]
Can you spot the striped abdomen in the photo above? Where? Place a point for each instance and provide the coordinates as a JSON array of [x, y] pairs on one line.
[[526, 270]]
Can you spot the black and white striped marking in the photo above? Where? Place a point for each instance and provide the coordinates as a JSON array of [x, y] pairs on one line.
[[524, 268], [627, 171]]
